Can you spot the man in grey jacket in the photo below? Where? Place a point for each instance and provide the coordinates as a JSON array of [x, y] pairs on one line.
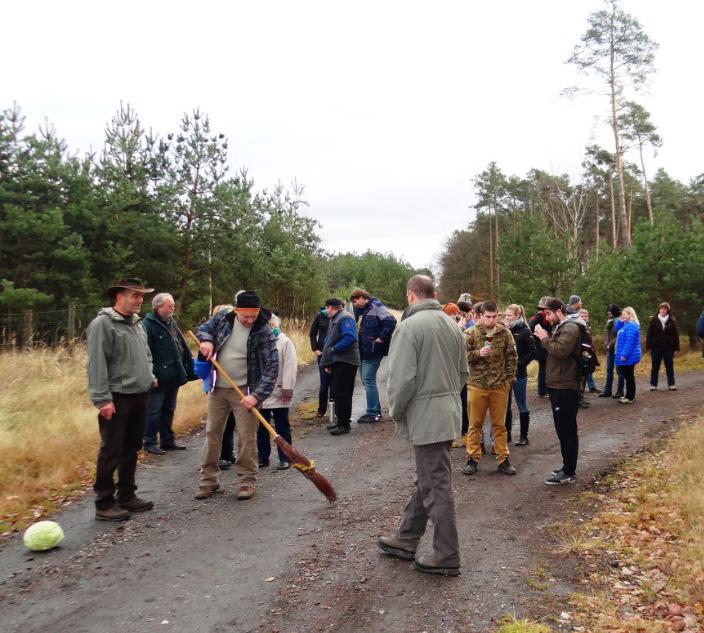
[[119, 378], [427, 368]]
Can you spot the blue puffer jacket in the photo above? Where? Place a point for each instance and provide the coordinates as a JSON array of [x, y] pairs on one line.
[[376, 322], [627, 343]]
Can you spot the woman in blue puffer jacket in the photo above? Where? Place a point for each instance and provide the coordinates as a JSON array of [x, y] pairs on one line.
[[628, 353]]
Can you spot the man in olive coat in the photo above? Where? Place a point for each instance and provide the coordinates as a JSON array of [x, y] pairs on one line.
[[173, 367], [427, 368]]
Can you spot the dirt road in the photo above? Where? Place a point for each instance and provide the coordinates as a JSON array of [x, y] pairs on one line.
[[288, 561]]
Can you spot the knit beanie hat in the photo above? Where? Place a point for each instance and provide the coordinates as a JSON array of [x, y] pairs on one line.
[[465, 297], [247, 301]]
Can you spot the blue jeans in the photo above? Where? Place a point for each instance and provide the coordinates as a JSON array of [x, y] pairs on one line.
[[519, 392], [610, 366], [369, 369], [324, 392], [283, 428], [590, 382], [667, 355], [161, 406]]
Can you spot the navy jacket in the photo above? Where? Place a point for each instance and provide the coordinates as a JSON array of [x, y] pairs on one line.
[[375, 321]]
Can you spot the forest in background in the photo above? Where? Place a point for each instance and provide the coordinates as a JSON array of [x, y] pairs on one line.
[[612, 234]]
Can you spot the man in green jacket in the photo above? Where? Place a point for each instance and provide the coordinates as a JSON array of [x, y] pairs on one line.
[[427, 368], [173, 367], [119, 378]]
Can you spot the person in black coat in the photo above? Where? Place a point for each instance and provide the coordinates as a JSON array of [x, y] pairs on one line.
[[317, 334], [525, 348], [662, 340], [540, 354]]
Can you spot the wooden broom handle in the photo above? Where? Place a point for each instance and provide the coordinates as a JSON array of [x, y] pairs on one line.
[[238, 391]]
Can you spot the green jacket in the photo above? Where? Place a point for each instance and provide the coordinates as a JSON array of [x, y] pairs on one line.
[[172, 361], [119, 360], [497, 369], [427, 368]]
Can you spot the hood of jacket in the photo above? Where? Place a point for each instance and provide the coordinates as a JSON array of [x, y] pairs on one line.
[[426, 304], [116, 316]]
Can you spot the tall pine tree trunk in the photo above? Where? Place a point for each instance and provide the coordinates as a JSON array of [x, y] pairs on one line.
[[496, 253], [614, 238], [648, 202], [491, 260], [596, 224], [625, 234]]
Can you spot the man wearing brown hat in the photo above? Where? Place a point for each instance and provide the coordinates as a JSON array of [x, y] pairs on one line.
[[245, 346], [119, 378]]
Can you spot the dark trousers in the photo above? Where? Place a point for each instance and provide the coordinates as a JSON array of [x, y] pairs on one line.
[[542, 387], [465, 415], [161, 406], [629, 376], [658, 355], [342, 385], [120, 441], [227, 452], [324, 391], [610, 367], [564, 414], [283, 428], [433, 499]]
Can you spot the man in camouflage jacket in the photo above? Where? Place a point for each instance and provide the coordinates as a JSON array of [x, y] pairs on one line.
[[491, 353]]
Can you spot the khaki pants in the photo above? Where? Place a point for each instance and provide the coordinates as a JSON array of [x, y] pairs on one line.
[[496, 401], [220, 402]]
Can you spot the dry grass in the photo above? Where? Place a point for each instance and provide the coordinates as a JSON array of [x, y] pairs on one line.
[[649, 537], [49, 433]]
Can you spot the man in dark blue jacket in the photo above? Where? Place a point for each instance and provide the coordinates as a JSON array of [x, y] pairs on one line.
[[340, 359], [376, 325], [172, 366]]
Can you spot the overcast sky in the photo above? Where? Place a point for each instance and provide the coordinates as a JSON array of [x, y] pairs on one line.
[[385, 111]]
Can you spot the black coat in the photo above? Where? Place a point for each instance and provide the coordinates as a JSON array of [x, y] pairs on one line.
[[540, 354], [659, 339], [318, 331], [525, 348]]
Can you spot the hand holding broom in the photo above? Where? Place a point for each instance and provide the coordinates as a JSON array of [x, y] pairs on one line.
[[299, 461]]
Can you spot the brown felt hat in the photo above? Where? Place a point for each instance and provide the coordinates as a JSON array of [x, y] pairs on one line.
[[128, 283]]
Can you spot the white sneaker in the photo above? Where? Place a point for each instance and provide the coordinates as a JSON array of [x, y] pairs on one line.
[[653, 388], [625, 400], [672, 388]]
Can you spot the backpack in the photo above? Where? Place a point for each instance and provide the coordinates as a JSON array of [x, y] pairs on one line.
[[585, 357]]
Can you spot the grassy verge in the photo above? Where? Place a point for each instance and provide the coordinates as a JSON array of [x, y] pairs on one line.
[[48, 428], [643, 552]]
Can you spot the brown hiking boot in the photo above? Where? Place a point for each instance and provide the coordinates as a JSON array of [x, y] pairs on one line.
[[247, 491], [113, 513], [206, 491], [398, 547], [135, 504], [428, 565]]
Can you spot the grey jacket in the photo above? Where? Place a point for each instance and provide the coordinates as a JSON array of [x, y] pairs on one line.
[[427, 368], [119, 360]]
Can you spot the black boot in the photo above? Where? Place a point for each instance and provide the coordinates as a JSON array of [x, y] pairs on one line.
[[525, 423], [331, 426], [509, 424], [341, 428]]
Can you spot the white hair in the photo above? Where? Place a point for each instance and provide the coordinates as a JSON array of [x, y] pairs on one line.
[[160, 299], [275, 321]]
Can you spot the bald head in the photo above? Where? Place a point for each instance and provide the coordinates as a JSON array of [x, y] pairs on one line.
[[422, 287]]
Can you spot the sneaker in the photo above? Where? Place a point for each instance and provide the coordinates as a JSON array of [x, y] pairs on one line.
[[653, 388], [263, 463], [135, 504], [368, 419], [522, 441], [605, 395], [398, 547], [672, 388], [283, 465], [113, 513], [174, 447], [340, 429], [617, 395], [557, 470], [506, 468], [625, 400], [594, 390], [560, 478], [470, 467]]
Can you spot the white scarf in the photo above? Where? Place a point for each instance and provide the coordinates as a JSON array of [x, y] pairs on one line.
[[663, 319]]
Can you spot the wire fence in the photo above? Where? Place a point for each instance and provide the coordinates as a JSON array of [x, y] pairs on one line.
[[32, 328]]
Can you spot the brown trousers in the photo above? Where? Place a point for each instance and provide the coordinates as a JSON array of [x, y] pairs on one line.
[[221, 401], [433, 499], [495, 401]]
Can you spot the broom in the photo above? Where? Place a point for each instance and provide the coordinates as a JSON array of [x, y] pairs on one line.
[[299, 461]]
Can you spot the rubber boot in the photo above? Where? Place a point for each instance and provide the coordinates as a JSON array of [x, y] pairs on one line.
[[525, 423], [509, 424]]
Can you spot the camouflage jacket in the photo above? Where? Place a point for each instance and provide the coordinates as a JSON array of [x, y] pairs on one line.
[[496, 370]]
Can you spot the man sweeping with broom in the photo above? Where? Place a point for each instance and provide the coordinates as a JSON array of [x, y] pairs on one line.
[[427, 368], [245, 346]]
